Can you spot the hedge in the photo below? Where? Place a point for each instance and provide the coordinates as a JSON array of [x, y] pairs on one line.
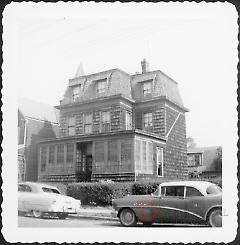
[[101, 194]]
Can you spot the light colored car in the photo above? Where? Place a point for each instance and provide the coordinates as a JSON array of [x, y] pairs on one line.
[[173, 202], [40, 199]]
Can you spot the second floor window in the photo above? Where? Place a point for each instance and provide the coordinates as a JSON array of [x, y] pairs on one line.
[[71, 126], [194, 160], [147, 121], [105, 121], [147, 88], [128, 120], [101, 87], [76, 92], [88, 123]]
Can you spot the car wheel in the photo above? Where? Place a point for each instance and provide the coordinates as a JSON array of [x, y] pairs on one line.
[[147, 224], [62, 216], [128, 217], [215, 218], [37, 214]]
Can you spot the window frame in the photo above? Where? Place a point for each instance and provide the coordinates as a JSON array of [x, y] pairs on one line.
[[71, 125], [76, 94], [147, 121], [128, 120], [88, 124], [147, 88], [160, 162], [106, 123], [101, 89]]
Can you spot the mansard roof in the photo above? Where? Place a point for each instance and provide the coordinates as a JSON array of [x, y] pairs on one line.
[[129, 86], [163, 86]]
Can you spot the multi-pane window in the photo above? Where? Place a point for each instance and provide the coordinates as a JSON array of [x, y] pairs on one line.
[[43, 158], [101, 86], [147, 88], [147, 121], [194, 160], [88, 123], [70, 153], [159, 153], [51, 154], [60, 153], [76, 92], [105, 121], [128, 120], [71, 125], [126, 148]]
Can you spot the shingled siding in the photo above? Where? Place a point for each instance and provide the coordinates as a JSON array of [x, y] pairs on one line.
[[175, 156], [158, 118]]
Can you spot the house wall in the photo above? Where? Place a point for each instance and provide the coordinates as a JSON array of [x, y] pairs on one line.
[[117, 119], [175, 156]]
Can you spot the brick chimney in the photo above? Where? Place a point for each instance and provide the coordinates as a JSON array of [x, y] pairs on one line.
[[145, 66]]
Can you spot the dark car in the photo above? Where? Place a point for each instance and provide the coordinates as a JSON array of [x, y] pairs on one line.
[[188, 202]]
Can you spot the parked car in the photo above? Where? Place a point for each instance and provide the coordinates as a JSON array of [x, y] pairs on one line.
[[40, 199], [173, 202]]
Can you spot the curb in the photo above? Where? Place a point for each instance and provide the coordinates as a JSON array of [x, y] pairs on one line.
[[90, 216]]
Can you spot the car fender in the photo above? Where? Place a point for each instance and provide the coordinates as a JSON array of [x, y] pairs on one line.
[[210, 209]]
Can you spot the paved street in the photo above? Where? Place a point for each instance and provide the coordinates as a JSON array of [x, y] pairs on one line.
[[73, 221]]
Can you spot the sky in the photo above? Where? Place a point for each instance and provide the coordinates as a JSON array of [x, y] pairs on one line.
[[195, 44]]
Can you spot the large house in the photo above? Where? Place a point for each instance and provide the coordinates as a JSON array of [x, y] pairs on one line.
[[35, 121], [117, 126]]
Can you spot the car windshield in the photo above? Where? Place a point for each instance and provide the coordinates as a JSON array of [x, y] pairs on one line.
[[213, 189], [51, 190]]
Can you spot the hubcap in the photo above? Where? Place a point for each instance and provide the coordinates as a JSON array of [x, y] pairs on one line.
[[37, 214], [216, 219]]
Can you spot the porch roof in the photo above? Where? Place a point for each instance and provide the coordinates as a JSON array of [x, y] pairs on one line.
[[91, 137]]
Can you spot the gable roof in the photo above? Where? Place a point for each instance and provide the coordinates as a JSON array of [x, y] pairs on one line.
[[36, 110]]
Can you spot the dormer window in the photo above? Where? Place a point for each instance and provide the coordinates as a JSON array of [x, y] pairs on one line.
[[76, 92], [101, 87], [147, 88]]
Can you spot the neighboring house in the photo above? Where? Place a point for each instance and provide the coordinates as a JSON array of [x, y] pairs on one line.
[[35, 121], [203, 161], [117, 126]]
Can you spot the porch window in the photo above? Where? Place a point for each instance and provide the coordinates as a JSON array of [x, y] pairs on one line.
[[60, 154], [43, 158], [159, 153], [147, 121], [101, 87], [76, 92], [71, 125], [88, 123], [70, 153], [126, 156], [105, 119], [51, 154], [147, 88]]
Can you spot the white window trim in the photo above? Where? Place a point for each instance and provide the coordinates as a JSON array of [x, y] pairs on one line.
[[160, 148]]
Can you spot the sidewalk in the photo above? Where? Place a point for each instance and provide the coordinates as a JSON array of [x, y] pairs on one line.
[[96, 213]]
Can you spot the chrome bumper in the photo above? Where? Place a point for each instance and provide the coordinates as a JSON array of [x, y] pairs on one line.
[[114, 214]]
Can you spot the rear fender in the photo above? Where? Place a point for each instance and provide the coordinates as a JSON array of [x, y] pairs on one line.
[[210, 210]]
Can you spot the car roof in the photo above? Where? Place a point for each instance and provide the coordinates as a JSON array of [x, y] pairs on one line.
[[191, 183]]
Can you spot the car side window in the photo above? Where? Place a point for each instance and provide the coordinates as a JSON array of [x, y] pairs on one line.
[[175, 191], [45, 189], [192, 192], [24, 188]]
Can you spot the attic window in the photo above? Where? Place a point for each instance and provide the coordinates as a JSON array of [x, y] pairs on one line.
[[147, 87], [101, 86], [76, 92]]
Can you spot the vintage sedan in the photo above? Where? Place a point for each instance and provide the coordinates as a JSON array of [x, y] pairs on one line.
[[188, 202], [40, 199]]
